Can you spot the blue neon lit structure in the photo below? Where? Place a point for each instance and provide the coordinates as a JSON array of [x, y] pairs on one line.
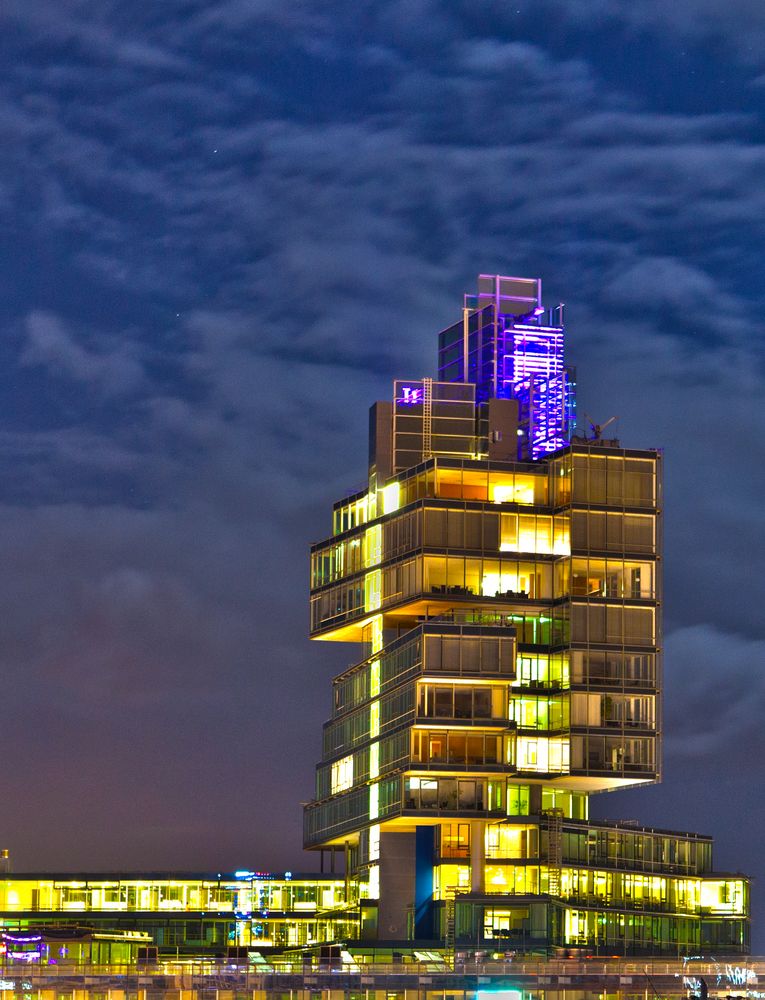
[[510, 346]]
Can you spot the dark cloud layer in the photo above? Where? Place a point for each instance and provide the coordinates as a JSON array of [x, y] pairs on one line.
[[225, 227]]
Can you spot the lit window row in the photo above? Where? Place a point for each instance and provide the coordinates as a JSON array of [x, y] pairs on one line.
[[240, 895], [604, 888]]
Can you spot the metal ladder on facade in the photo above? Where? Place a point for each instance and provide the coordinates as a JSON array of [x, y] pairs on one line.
[[554, 849], [450, 914], [427, 417]]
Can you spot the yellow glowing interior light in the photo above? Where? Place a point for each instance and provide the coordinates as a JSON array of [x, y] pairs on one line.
[[374, 719], [374, 760], [529, 542], [450, 877], [501, 583], [374, 842], [521, 491], [373, 546], [544, 755], [374, 801], [374, 678], [391, 498], [376, 633], [373, 885], [341, 774], [501, 494], [361, 510], [562, 538], [373, 590], [722, 895]]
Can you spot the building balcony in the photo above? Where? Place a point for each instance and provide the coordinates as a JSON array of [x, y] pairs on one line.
[[472, 722]]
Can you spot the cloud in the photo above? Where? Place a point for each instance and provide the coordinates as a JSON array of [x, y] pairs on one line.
[[739, 27], [715, 696], [113, 372], [660, 283]]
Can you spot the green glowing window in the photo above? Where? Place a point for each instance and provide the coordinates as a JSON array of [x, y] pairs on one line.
[[518, 800]]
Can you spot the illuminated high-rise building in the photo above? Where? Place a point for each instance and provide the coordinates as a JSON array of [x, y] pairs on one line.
[[503, 578]]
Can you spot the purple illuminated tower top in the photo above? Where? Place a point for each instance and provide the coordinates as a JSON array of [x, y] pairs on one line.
[[510, 347]]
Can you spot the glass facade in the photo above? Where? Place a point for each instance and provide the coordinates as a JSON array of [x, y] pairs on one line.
[[191, 914]]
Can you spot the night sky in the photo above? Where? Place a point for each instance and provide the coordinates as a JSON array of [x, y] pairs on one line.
[[225, 227]]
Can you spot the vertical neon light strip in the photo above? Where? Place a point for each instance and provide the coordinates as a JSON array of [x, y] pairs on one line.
[[372, 546], [535, 375], [372, 590], [531, 370], [374, 759], [374, 801], [374, 718], [375, 634], [374, 842], [376, 630]]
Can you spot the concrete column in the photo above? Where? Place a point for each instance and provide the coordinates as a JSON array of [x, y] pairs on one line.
[[397, 877], [423, 883], [477, 855]]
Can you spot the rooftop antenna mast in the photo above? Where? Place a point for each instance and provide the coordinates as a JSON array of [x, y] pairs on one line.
[[597, 429]]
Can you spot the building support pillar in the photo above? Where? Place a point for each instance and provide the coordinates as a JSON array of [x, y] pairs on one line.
[[478, 856], [425, 841]]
